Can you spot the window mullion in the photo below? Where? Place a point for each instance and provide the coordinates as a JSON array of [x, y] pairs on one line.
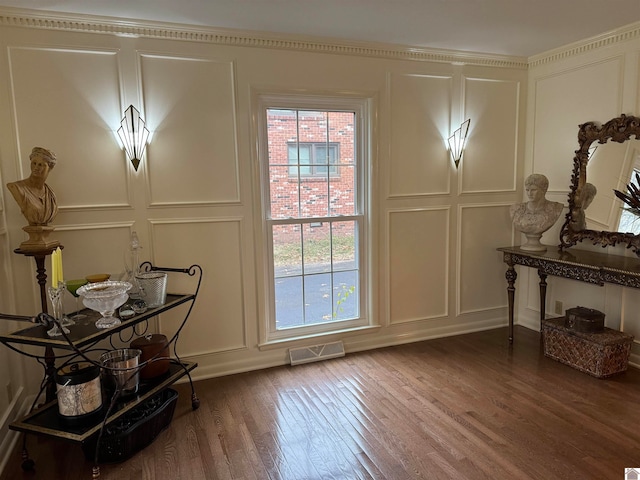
[[299, 164]]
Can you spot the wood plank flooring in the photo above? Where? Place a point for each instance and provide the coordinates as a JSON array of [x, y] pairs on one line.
[[464, 407]]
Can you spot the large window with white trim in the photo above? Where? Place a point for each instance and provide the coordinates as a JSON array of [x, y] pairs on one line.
[[314, 164]]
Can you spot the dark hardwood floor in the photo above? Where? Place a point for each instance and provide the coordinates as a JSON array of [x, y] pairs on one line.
[[464, 407]]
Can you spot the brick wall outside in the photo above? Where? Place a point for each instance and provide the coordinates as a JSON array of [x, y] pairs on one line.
[[318, 196]]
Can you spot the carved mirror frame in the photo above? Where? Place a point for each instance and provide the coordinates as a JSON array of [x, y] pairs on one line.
[[619, 129]]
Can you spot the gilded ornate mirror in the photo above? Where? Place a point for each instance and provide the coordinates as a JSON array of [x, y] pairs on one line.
[[620, 168]]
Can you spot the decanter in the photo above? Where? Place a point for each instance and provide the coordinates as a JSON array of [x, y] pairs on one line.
[[132, 266]]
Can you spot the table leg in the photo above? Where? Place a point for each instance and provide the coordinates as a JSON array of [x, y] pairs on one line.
[[511, 276], [543, 296]]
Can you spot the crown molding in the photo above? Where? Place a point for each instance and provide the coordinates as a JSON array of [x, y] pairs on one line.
[[607, 39], [17, 17], [38, 19]]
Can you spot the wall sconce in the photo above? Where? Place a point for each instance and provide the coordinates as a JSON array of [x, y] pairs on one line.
[[133, 134], [457, 142]]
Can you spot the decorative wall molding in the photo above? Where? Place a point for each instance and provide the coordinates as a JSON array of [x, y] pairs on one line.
[[15, 17], [624, 34]]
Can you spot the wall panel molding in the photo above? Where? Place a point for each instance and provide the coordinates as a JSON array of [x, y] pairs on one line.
[[68, 100], [478, 238], [218, 322], [419, 126], [489, 102], [411, 250], [190, 101]]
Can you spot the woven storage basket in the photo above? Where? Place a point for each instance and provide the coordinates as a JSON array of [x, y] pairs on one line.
[[601, 354], [133, 431]]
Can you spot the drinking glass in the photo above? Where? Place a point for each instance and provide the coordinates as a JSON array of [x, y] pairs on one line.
[[55, 295]]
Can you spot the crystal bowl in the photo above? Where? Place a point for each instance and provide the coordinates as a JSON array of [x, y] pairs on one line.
[[105, 297]]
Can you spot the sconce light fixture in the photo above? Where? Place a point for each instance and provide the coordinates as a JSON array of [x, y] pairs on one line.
[[133, 134], [457, 142]]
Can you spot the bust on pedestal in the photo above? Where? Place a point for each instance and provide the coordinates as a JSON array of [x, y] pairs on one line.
[[536, 216], [37, 201]]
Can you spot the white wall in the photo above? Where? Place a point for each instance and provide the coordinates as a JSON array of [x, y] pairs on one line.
[[595, 80], [435, 270]]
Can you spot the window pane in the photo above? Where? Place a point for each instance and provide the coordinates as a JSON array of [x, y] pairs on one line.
[[281, 129], [317, 247], [314, 198], [300, 154], [289, 302], [342, 192], [345, 295], [342, 132], [317, 305], [344, 245], [283, 192], [287, 250]]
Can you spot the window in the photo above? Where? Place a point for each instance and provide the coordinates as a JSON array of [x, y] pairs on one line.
[[313, 159], [314, 163], [629, 222]]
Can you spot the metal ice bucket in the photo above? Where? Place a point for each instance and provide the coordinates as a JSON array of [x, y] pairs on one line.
[[121, 367]]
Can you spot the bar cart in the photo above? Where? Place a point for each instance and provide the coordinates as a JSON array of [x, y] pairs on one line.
[[80, 342]]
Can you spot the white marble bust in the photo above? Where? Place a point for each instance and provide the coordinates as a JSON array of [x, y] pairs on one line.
[[536, 216]]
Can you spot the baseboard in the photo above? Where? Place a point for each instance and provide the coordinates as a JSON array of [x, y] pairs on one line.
[[217, 365]]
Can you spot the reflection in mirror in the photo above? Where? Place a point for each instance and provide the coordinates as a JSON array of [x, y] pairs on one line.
[[629, 219], [610, 168]]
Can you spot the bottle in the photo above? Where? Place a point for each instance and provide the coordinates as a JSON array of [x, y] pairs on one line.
[[132, 266]]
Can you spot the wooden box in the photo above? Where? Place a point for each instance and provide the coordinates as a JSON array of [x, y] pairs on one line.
[[601, 354], [583, 319]]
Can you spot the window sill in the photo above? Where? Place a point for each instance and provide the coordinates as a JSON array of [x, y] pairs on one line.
[[320, 337]]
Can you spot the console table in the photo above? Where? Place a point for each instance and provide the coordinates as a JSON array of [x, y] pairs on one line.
[[590, 267]]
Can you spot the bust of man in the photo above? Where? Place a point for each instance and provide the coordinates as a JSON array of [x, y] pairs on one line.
[[34, 197], [536, 216], [583, 200]]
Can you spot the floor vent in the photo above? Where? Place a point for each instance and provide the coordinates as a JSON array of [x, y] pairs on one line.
[[301, 355]]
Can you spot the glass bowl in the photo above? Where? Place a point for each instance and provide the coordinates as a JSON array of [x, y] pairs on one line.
[[105, 298]]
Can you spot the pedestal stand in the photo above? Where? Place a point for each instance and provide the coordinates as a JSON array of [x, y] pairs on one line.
[[38, 239], [41, 276], [533, 243]]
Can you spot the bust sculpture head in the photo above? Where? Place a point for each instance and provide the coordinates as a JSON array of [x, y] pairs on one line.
[[34, 197], [538, 214], [36, 200]]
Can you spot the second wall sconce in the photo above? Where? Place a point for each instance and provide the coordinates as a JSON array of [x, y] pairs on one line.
[[133, 133], [457, 142]]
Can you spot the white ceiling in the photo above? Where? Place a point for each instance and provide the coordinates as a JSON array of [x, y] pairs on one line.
[[510, 27]]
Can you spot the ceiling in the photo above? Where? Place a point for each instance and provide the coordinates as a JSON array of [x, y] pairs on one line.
[[509, 27]]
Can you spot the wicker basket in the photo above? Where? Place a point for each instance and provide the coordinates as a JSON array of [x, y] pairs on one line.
[[601, 354], [134, 430]]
